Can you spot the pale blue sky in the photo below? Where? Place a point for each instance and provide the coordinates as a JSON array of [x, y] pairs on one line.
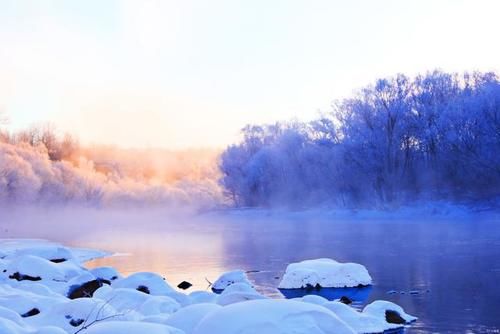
[[192, 73]]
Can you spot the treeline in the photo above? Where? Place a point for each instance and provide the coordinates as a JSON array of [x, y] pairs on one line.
[[58, 147], [435, 136], [41, 166]]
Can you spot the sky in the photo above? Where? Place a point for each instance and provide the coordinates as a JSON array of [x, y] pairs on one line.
[[182, 74]]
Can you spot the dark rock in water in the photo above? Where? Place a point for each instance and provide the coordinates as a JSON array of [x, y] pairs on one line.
[[76, 322], [86, 290], [184, 285], [143, 288], [58, 260], [30, 313], [414, 292], [393, 317], [345, 300], [20, 277]]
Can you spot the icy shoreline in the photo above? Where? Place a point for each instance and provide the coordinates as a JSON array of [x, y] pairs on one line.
[[45, 289]]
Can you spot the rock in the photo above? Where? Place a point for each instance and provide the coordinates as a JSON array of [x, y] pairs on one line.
[[20, 277], [184, 285], [393, 317], [30, 313], [144, 289], [345, 300], [59, 260], [86, 290]]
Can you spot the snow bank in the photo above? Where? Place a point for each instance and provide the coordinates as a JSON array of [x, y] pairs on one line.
[[129, 327], [324, 273], [46, 290], [271, 317]]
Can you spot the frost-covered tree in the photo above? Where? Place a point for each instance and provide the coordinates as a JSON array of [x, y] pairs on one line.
[[434, 136]]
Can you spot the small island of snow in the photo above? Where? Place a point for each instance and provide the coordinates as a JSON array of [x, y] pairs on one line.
[[324, 273]]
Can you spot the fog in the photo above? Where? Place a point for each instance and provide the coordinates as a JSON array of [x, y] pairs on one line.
[[107, 177]]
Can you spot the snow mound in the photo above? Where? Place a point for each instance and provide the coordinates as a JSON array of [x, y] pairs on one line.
[[238, 292], [48, 250], [107, 274], [197, 297], [360, 322], [128, 301], [271, 317], [130, 327], [149, 283], [384, 309], [190, 316], [230, 277], [324, 273]]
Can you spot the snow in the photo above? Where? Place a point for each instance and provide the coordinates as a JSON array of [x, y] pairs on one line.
[[146, 303], [230, 277], [190, 316], [238, 292], [360, 322], [379, 307], [155, 284], [129, 327], [324, 273], [47, 249], [271, 317]]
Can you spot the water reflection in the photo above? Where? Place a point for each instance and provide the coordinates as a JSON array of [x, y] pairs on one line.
[[359, 295]]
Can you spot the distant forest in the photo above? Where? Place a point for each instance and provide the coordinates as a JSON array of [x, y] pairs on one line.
[[432, 137]]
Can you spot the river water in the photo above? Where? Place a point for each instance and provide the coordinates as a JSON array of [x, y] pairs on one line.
[[446, 271]]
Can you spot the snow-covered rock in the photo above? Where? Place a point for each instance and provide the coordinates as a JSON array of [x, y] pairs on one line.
[[47, 250], [271, 317], [71, 315], [106, 273], [230, 277], [362, 323], [314, 299], [382, 309], [324, 273], [129, 300], [149, 283]]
